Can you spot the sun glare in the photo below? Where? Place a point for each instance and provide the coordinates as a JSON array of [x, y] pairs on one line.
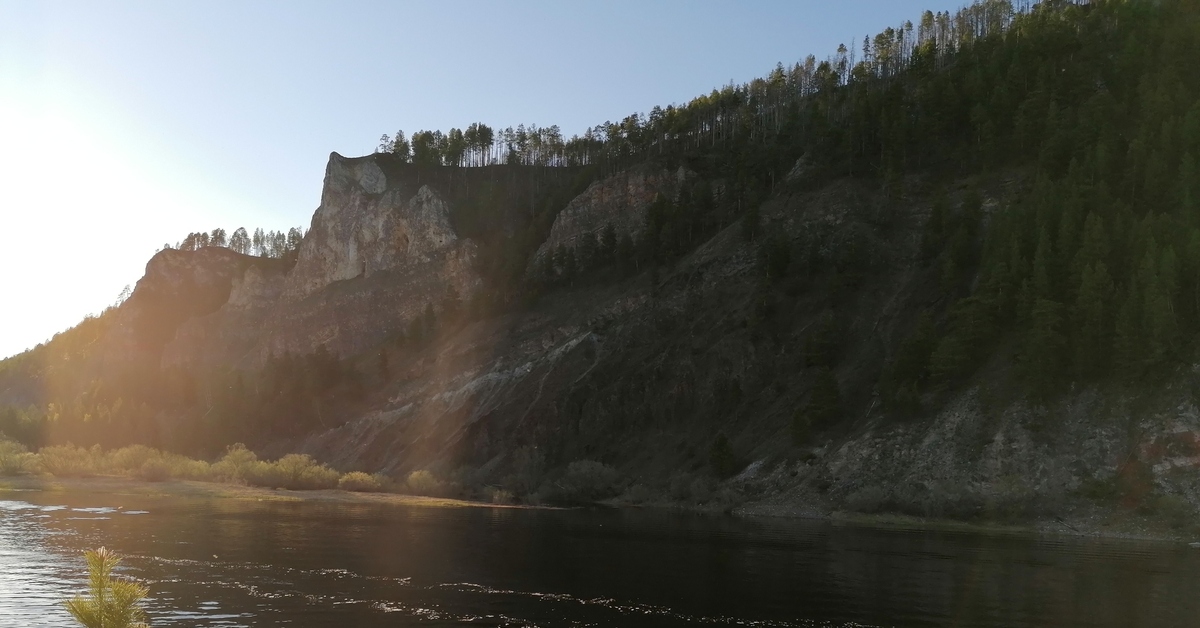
[[83, 220]]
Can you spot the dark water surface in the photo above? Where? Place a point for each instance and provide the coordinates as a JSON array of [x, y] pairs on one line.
[[224, 562]]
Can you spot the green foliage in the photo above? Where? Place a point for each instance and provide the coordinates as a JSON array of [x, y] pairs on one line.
[[908, 372], [112, 602], [361, 482], [14, 459], [66, 461], [1092, 322], [423, 482], [1045, 345], [294, 472], [973, 329], [587, 481]]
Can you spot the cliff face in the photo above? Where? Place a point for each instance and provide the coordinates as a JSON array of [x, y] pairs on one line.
[[179, 286], [363, 226], [619, 201], [376, 253]]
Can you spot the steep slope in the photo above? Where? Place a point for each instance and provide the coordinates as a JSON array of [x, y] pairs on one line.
[[959, 282]]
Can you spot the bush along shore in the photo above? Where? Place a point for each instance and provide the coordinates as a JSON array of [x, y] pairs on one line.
[[238, 466], [585, 481]]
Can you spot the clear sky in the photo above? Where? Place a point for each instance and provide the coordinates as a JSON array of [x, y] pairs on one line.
[[125, 125]]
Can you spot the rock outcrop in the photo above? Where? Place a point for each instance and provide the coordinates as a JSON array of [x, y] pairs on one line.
[[365, 226], [377, 252], [620, 201]]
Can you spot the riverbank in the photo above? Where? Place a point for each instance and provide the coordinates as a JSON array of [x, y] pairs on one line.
[[1081, 522], [115, 485]]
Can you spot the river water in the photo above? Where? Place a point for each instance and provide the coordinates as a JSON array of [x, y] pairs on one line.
[[226, 562]]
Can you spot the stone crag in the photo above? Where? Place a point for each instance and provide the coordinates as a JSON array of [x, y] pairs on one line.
[[619, 201], [374, 256]]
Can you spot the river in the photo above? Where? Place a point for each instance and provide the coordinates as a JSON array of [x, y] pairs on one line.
[[230, 562]]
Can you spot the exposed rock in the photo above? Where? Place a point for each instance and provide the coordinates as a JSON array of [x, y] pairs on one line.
[[375, 255], [620, 200], [177, 286], [363, 227], [801, 169]]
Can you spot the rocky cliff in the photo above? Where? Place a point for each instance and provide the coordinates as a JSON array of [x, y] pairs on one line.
[[619, 201], [363, 226], [376, 253], [647, 373]]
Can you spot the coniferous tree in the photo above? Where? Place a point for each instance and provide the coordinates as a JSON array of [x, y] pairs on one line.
[[400, 148], [1045, 345], [1128, 342], [1092, 337]]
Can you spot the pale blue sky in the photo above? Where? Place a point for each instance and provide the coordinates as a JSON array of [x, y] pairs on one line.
[[124, 125]]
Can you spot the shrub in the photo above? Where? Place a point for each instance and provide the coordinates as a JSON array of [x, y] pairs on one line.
[[295, 472], [154, 470], [71, 461], [184, 468], [14, 460], [588, 480], [638, 494], [131, 460], [361, 482], [237, 465], [423, 483], [500, 496]]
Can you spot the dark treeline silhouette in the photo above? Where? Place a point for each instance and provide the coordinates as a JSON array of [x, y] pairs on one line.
[[274, 244]]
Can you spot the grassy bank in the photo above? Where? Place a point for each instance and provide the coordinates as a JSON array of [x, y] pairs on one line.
[[110, 485], [240, 468]]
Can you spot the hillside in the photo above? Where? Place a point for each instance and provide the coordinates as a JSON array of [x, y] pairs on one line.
[[958, 277]]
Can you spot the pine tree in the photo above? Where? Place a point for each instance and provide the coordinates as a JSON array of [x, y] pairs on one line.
[[113, 603], [1189, 189], [1042, 259], [1045, 345], [1158, 316], [1128, 340], [1094, 247], [1091, 336]]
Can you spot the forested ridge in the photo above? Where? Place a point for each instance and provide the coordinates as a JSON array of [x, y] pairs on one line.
[[1091, 275]]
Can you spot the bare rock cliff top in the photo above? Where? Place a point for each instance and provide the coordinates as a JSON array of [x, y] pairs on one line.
[[364, 226]]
